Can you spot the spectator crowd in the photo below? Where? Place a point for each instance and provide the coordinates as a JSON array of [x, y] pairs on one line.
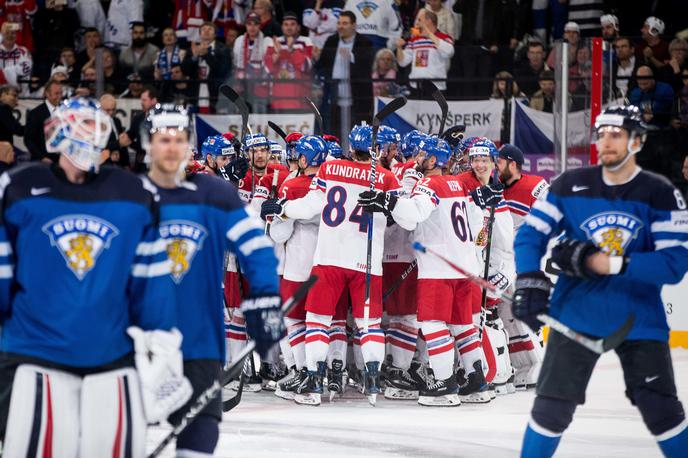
[[341, 53]]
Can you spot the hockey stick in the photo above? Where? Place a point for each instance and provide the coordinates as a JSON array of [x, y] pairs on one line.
[[400, 280], [387, 110], [318, 117], [278, 130], [488, 250], [209, 394], [441, 101], [240, 103], [596, 345]]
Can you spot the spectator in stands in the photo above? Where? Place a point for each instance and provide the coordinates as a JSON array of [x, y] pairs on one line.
[[68, 60], [92, 41], [35, 138], [113, 150], [178, 90], [140, 56], [20, 12], [289, 57], [61, 75], [268, 25], [543, 99], [6, 156], [134, 87], [683, 100], [378, 20], [671, 73], [500, 85], [527, 73], [54, 28], [429, 53], [321, 22], [654, 98], [15, 60], [572, 35], [385, 68], [232, 32], [87, 85], [169, 56], [652, 50], [9, 126], [609, 24], [626, 66], [445, 18], [115, 79], [112, 24], [477, 45], [132, 137], [210, 62], [250, 74], [580, 69], [348, 55]]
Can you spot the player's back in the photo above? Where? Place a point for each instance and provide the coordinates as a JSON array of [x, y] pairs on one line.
[[342, 238], [522, 194], [450, 229], [76, 245]]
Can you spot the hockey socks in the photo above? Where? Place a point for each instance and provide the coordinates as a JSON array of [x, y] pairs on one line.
[[468, 345], [539, 442], [236, 334], [317, 339], [440, 348], [402, 336], [674, 443], [296, 333]]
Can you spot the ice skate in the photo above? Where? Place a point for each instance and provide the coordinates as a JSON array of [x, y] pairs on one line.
[[270, 374], [310, 389], [474, 390], [287, 389], [400, 385], [336, 380], [441, 393], [525, 378], [371, 381]]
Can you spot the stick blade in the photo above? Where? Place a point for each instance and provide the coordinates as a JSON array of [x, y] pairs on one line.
[[388, 109], [618, 336], [278, 130]]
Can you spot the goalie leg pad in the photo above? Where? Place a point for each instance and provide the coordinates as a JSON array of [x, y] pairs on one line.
[[500, 348], [44, 413], [112, 415]]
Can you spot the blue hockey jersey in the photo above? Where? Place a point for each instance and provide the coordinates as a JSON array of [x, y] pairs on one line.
[[71, 281], [199, 222], [644, 219]]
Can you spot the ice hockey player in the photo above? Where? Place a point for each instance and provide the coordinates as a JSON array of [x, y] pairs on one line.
[[300, 238], [221, 157], [501, 272], [441, 216], [75, 276], [622, 245], [521, 192], [340, 259], [200, 219]]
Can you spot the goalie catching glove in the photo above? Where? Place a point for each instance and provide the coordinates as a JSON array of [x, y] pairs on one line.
[[377, 201], [489, 195], [531, 298], [159, 363], [264, 323]]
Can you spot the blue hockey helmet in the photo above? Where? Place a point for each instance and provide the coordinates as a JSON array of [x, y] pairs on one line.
[[256, 140], [410, 144], [483, 147], [439, 148], [361, 138], [465, 144], [277, 153], [335, 150], [312, 148], [217, 145], [78, 129], [387, 136]]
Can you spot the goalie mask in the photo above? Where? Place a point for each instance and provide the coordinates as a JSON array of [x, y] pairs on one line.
[[79, 130]]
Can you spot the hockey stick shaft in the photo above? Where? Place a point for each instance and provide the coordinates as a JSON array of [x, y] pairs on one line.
[[318, 116], [240, 103], [488, 251], [596, 345], [209, 393], [278, 130], [400, 280], [442, 102]]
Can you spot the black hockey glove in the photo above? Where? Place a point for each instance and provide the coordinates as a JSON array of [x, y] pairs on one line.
[[531, 298], [488, 195], [570, 256], [235, 170], [272, 207], [264, 322], [377, 201]]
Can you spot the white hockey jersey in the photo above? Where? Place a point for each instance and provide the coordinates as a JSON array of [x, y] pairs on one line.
[[16, 64], [443, 219], [377, 19], [397, 239], [342, 237], [321, 26]]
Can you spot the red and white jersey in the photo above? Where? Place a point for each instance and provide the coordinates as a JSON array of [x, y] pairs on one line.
[[397, 239], [522, 194], [16, 64], [342, 237], [275, 175], [429, 61], [321, 25], [443, 219], [299, 237], [21, 13]]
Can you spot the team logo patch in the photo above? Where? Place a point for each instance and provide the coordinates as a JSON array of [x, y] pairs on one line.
[[366, 8], [184, 239], [612, 232], [81, 239]]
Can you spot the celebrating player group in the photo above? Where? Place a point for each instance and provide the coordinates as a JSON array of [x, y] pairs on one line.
[[131, 300]]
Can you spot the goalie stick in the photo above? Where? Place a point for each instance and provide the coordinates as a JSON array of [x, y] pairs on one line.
[[234, 368], [596, 345], [387, 110]]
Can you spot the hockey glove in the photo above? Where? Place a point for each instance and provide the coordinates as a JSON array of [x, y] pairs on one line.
[[235, 170], [499, 280], [264, 323], [570, 256], [272, 207], [377, 201], [531, 298], [489, 195]]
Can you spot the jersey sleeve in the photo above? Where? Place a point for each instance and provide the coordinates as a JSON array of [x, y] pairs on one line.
[[542, 223], [423, 201], [281, 230], [312, 203], [668, 263], [254, 250], [6, 254]]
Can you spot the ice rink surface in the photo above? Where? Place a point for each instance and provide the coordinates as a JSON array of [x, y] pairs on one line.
[[266, 426]]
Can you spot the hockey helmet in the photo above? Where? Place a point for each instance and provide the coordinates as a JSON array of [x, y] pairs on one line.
[[291, 140], [277, 153], [335, 150], [627, 117], [386, 137], [411, 143], [79, 129], [361, 138], [167, 117], [257, 140], [312, 148], [217, 145], [439, 148], [483, 147]]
